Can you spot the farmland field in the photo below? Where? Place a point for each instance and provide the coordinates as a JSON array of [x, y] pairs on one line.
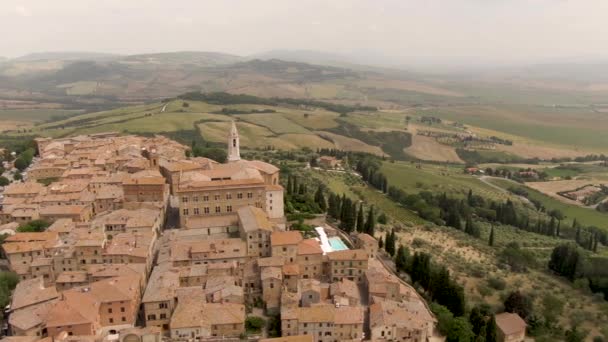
[[585, 216], [576, 128], [449, 179]]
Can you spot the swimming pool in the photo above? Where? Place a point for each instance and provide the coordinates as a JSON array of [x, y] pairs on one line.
[[337, 244]]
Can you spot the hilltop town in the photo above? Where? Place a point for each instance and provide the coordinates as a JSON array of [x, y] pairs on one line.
[[131, 240]]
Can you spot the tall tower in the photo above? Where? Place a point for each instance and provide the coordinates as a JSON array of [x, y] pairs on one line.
[[234, 153]]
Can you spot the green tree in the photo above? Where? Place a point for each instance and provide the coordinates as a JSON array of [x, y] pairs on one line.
[[320, 199], [401, 258], [444, 317], [4, 181], [33, 226], [382, 219], [370, 224], [491, 239], [254, 323], [20, 164], [360, 219], [460, 330], [491, 335], [518, 303]]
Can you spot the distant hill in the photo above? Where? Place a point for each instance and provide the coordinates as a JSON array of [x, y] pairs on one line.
[[197, 58], [79, 80], [66, 56]]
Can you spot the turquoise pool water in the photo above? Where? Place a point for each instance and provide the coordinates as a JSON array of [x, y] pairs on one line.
[[337, 244]]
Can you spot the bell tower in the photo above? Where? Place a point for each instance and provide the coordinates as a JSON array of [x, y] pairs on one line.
[[234, 153]]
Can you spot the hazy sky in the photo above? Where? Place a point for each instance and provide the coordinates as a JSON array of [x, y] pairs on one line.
[[479, 30]]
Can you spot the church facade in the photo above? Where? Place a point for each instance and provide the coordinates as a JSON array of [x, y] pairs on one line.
[[211, 198]]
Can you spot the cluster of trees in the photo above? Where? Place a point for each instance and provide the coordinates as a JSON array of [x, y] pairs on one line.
[[520, 176], [369, 170], [352, 217], [222, 98], [340, 154], [215, 153], [25, 159], [571, 262], [299, 199], [449, 303]]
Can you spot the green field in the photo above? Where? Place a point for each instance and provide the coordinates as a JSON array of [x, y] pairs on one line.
[[583, 215], [34, 115], [449, 179], [576, 128]]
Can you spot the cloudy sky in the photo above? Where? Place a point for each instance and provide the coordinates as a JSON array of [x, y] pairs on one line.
[[407, 30]]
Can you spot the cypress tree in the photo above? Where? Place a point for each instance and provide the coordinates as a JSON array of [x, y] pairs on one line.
[[289, 185], [595, 243], [491, 330], [320, 199], [344, 206], [360, 219], [295, 185], [491, 239], [370, 224], [468, 228], [380, 243]]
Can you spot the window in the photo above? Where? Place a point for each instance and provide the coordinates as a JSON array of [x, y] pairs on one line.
[[205, 198], [122, 309], [218, 209], [185, 212], [162, 305], [195, 198], [228, 196], [206, 210], [250, 195], [229, 209], [184, 199], [239, 195], [124, 319], [163, 316], [110, 310], [217, 197], [111, 320], [196, 211]]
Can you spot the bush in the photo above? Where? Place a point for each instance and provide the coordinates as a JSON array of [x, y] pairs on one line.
[[33, 226], [497, 283], [254, 324], [4, 181]]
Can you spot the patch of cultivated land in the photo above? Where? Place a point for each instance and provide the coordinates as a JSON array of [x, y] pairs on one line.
[[350, 144], [578, 128], [552, 188], [526, 150], [450, 179], [427, 148], [274, 122], [585, 216]]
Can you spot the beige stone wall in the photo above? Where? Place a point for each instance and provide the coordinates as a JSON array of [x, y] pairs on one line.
[[78, 329], [289, 252], [311, 266], [158, 314], [227, 330], [351, 270], [274, 204], [219, 202], [348, 331]]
